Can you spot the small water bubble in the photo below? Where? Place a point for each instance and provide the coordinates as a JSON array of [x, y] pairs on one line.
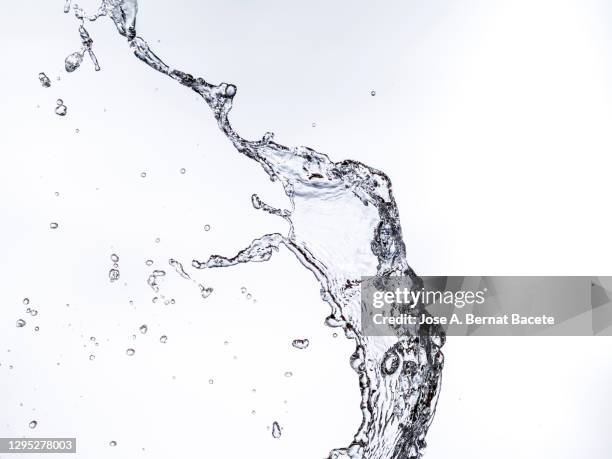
[[26, 301], [113, 443], [36, 328], [149, 262], [130, 352], [249, 296], [276, 430], [44, 80], [373, 93], [183, 170], [143, 329], [33, 424], [206, 227], [73, 62], [163, 339], [33, 312], [143, 174], [211, 381], [314, 124], [300, 343], [53, 225], [157, 240], [335, 335], [57, 193], [288, 374], [114, 275], [77, 130], [243, 290], [21, 323], [114, 258], [92, 357], [61, 110]]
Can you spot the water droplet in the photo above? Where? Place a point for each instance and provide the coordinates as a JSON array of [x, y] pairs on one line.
[[157, 240], [21, 323], [77, 130], [276, 430], [61, 109], [92, 357], [44, 80], [206, 227], [243, 290], [314, 124], [143, 174], [163, 339], [33, 312], [288, 374], [36, 328], [373, 93], [53, 225], [33, 424], [335, 335], [73, 62], [211, 381], [249, 296], [130, 352], [114, 258], [143, 329], [300, 343], [26, 301], [93, 338], [114, 275], [183, 170], [113, 443], [149, 262]]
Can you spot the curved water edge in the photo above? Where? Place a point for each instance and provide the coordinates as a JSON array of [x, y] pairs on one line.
[[357, 233]]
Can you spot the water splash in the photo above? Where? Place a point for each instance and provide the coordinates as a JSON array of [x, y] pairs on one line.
[[44, 80], [357, 233]]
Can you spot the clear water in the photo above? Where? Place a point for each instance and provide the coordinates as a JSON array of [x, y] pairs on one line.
[[358, 233]]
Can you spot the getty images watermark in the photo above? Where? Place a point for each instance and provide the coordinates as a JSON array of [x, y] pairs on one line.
[[487, 305]]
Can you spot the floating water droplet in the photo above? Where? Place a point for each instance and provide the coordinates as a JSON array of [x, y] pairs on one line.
[[92, 338], [33, 312], [92, 357], [53, 225], [143, 329], [314, 124], [249, 296], [183, 170], [373, 93], [26, 301], [21, 323], [206, 227], [112, 443], [211, 381], [163, 339], [205, 291], [143, 174], [33, 424], [114, 258], [44, 80], [157, 240], [77, 130], [37, 328], [130, 352], [288, 374], [300, 343], [73, 62], [114, 275], [335, 335], [243, 290], [149, 262], [276, 430], [61, 110]]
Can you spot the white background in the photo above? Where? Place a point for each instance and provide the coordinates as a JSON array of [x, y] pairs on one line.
[[491, 118]]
